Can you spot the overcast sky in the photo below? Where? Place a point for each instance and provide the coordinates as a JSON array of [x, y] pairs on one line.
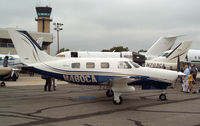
[[94, 25]]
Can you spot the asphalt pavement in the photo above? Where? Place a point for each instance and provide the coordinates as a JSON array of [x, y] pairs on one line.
[[25, 103]]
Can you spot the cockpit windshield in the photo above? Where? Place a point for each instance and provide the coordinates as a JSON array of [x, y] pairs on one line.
[[135, 64], [124, 65]]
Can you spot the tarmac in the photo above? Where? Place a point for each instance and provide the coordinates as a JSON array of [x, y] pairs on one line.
[[24, 103]]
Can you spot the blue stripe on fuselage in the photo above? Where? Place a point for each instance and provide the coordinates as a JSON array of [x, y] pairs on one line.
[[78, 79]]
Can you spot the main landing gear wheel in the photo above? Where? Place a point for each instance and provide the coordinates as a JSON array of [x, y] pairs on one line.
[[109, 93], [3, 84], [118, 102], [163, 97]]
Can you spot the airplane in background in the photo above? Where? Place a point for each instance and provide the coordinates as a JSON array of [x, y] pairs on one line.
[[193, 57], [170, 58], [8, 72], [161, 45], [5, 72], [93, 71], [13, 60]]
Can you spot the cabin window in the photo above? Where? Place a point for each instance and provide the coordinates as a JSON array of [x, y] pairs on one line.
[[124, 65], [105, 65], [198, 57], [74, 54], [90, 65], [195, 57], [76, 65]]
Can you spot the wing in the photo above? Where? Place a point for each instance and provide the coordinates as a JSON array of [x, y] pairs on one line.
[[120, 84]]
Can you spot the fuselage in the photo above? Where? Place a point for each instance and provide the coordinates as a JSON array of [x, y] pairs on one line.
[[99, 70]]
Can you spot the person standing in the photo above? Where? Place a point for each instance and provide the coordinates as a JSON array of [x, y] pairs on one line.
[[54, 83], [195, 70], [185, 79], [47, 83], [190, 81], [5, 61]]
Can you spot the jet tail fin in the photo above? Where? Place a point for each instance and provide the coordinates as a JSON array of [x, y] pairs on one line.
[[161, 45], [179, 52], [27, 48]]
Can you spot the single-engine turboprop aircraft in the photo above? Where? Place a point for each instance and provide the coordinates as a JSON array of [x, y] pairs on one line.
[[93, 71]]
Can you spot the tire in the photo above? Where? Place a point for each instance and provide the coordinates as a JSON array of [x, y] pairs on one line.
[[163, 97], [14, 77], [3, 84], [109, 93], [118, 103]]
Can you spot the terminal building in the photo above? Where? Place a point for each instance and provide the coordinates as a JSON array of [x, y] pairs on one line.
[[43, 22]]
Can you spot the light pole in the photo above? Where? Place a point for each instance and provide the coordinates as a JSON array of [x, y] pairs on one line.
[[58, 28]]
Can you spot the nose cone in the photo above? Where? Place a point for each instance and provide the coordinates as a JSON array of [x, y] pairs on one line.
[[162, 75]]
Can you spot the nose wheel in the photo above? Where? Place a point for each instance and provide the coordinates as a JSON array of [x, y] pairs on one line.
[[3, 84], [118, 102], [163, 97], [109, 93]]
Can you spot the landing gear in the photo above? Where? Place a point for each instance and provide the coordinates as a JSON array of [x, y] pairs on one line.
[[3, 84], [14, 77], [109, 93], [163, 97], [118, 102]]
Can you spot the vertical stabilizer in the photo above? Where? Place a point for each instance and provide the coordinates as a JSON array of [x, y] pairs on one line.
[[161, 45], [27, 48], [180, 51]]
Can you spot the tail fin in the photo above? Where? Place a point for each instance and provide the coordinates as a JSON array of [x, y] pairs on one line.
[[161, 45], [27, 48], [180, 51]]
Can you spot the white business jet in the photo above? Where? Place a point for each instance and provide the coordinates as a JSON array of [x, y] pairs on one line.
[[169, 59], [161, 45], [93, 71]]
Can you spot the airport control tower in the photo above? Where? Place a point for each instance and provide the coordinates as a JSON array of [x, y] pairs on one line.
[[43, 20]]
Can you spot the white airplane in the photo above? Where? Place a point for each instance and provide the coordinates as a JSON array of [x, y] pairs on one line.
[[93, 71], [161, 45], [169, 59], [13, 60], [193, 57], [7, 73]]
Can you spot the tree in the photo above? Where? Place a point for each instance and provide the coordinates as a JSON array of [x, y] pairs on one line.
[[116, 49], [142, 50], [62, 50]]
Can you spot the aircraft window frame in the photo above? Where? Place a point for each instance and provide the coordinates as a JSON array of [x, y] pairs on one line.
[[105, 65], [90, 65], [75, 65], [123, 65], [135, 64]]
